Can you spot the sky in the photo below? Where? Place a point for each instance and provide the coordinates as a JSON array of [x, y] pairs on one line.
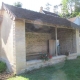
[[33, 4]]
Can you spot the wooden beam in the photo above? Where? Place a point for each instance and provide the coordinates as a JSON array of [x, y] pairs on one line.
[[46, 24], [39, 23]]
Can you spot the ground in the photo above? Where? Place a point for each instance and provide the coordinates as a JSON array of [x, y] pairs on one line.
[[68, 70]]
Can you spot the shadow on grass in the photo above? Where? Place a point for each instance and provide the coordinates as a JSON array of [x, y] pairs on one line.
[[48, 73]]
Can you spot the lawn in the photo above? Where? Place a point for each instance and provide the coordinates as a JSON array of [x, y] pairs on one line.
[[69, 70]]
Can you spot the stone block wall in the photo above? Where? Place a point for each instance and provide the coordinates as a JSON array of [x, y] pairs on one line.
[[37, 42], [67, 40], [36, 64], [7, 41], [20, 46]]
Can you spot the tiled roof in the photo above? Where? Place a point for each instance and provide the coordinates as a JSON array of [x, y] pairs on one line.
[[50, 13], [32, 15]]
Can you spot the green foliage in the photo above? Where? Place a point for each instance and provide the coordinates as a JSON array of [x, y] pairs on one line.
[[77, 5], [74, 14], [78, 14], [64, 6], [18, 4], [71, 7], [2, 66], [67, 53], [48, 7], [44, 57]]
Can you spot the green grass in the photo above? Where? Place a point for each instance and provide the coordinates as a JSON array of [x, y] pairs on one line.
[[70, 70]]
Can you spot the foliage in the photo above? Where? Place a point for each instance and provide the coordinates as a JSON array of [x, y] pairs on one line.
[[71, 7], [55, 9], [2, 66], [77, 5], [67, 53], [70, 70], [18, 4], [74, 14], [78, 14], [66, 15], [64, 6], [48, 7], [44, 57]]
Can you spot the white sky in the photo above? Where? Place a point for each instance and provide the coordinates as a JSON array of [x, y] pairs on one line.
[[32, 4]]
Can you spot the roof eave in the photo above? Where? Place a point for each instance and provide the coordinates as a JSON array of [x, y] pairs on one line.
[[75, 26]]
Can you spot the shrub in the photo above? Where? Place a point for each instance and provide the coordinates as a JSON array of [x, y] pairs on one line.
[[67, 53], [44, 56], [2, 66]]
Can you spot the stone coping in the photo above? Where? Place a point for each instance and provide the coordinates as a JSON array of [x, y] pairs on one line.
[[36, 64], [39, 61], [72, 56]]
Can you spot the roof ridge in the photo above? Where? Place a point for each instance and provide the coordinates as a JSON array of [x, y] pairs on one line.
[[21, 8]]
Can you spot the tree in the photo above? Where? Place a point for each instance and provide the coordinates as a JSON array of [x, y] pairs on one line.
[[18, 4], [71, 7], [48, 7], [55, 9], [77, 5], [64, 6]]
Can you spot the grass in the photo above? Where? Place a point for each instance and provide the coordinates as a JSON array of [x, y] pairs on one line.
[[70, 70]]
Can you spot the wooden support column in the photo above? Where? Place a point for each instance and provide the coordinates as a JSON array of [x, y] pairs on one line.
[[56, 39]]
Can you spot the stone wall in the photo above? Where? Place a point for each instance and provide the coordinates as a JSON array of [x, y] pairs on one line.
[[67, 40], [7, 41], [37, 42]]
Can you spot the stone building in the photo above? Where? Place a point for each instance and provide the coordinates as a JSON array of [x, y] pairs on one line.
[[26, 35]]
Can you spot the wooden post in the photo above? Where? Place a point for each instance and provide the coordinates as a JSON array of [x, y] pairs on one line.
[[56, 39]]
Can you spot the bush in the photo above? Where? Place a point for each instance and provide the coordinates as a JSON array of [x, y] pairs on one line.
[[67, 53], [44, 57], [2, 66]]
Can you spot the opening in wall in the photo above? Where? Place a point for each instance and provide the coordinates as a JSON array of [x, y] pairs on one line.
[[37, 44]]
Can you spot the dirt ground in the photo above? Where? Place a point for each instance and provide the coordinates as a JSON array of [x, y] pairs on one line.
[[5, 75]]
